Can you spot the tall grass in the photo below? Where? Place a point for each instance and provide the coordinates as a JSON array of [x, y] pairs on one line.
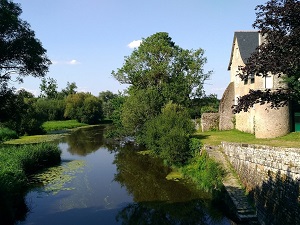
[[204, 172], [7, 134], [16, 164]]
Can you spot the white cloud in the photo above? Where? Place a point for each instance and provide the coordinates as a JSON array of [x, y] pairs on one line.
[[71, 62], [134, 44]]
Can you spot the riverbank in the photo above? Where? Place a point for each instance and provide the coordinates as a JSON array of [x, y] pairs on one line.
[[17, 164]]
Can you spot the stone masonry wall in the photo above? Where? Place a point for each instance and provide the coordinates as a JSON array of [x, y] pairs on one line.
[[225, 110], [209, 121], [272, 177]]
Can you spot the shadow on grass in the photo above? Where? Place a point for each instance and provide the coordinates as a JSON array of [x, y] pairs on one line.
[[200, 136]]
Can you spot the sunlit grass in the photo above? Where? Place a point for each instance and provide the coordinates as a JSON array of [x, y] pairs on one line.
[[291, 140], [61, 125], [33, 139], [17, 162]]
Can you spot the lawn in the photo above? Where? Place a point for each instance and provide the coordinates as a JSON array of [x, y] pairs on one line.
[[291, 140]]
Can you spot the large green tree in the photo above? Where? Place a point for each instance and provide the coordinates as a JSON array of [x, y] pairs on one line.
[[159, 71], [158, 62], [279, 22], [21, 53]]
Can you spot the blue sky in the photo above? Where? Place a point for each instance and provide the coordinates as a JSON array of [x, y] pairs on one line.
[[88, 39]]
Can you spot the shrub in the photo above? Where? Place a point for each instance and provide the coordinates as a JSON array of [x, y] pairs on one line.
[[7, 134], [168, 134], [195, 145], [205, 172]]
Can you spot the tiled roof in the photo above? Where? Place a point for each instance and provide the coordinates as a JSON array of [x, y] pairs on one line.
[[248, 41]]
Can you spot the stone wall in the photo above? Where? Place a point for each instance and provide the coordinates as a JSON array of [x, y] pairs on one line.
[[209, 121], [272, 177], [225, 110]]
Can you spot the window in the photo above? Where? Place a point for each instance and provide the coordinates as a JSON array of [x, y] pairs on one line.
[[269, 82]]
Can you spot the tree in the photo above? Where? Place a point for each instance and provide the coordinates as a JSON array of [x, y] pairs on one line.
[[70, 89], [20, 113], [159, 71], [49, 88], [107, 99], [279, 23], [176, 72], [20, 52], [84, 107]]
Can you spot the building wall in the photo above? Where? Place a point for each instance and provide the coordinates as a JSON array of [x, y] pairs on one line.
[[272, 177], [261, 120]]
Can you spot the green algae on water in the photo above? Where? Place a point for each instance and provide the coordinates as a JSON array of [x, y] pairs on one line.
[[57, 178]]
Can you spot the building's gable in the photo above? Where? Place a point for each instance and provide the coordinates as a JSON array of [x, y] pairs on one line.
[[247, 42]]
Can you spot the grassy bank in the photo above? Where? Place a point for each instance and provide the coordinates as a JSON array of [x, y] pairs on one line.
[[204, 172], [49, 127], [62, 125], [216, 137], [17, 164]]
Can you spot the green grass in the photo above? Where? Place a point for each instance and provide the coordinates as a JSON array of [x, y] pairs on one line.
[[17, 163], [33, 139], [291, 140], [204, 172], [61, 125]]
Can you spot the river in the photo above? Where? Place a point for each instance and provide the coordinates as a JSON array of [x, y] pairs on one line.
[[103, 183]]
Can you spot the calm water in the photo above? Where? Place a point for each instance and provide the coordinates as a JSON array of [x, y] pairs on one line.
[[98, 183]]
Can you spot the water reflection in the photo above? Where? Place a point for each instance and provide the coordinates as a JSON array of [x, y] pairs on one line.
[[85, 141], [157, 200], [133, 185]]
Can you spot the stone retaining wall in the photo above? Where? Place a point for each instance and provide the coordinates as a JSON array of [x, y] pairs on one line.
[[272, 176]]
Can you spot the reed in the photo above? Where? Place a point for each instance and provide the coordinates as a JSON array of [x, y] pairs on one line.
[[17, 163]]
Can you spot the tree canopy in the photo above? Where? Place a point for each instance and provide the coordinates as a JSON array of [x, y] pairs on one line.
[[158, 62], [279, 23], [159, 71], [21, 53]]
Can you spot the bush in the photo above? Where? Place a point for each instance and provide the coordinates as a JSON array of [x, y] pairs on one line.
[[7, 134], [168, 134], [205, 172], [195, 145]]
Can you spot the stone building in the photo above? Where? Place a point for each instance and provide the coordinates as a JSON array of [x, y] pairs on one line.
[[260, 120]]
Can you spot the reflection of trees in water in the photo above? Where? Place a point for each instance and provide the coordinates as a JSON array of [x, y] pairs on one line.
[[85, 140], [159, 201], [161, 213], [278, 200], [12, 208]]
